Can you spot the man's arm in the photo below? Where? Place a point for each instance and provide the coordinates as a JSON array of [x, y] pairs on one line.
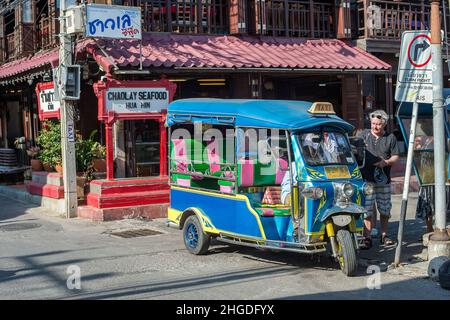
[[392, 160], [394, 154]]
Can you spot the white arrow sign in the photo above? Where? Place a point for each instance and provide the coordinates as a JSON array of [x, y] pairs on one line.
[[414, 79]]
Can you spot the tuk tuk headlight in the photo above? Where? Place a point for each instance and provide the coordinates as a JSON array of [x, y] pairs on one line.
[[368, 189], [313, 192], [348, 190]]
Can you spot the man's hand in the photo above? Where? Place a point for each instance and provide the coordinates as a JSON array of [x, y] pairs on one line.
[[389, 162], [381, 164]]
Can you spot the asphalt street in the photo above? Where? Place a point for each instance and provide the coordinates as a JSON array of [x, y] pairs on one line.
[[44, 256]]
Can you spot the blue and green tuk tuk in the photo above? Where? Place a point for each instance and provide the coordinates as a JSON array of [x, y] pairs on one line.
[[270, 174]]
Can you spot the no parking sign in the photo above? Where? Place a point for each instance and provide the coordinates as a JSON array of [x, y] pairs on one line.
[[414, 80]]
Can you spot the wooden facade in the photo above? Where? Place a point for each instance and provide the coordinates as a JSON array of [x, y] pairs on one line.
[[32, 26], [379, 24], [376, 26]]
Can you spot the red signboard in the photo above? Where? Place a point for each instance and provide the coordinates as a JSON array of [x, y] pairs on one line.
[[133, 100], [48, 107]]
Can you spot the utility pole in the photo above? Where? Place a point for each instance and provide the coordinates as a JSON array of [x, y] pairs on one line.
[[438, 240], [67, 123]]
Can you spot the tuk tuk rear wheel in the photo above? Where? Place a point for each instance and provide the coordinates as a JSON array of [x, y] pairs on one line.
[[346, 253], [196, 241]]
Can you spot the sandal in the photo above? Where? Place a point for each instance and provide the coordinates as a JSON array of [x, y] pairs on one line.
[[386, 241], [367, 244]]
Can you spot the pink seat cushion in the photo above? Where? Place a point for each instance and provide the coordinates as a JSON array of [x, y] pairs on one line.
[[213, 155], [179, 147], [226, 189], [247, 172], [282, 168], [267, 212]]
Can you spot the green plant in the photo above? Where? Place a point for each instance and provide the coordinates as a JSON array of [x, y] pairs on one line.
[[86, 151], [49, 141], [98, 151], [33, 152]]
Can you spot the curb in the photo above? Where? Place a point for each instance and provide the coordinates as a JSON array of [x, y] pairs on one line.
[[20, 195]]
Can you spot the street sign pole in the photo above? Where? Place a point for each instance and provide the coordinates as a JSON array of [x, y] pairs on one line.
[[67, 124], [414, 84], [440, 233], [409, 160]]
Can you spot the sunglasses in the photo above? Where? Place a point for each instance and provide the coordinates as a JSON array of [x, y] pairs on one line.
[[378, 116]]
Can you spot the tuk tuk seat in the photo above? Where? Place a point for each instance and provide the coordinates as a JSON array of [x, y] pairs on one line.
[[273, 210], [183, 151], [218, 166], [253, 173]]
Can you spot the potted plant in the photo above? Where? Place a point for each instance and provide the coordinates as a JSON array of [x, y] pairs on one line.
[[36, 164], [99, 154], [49, 141], [86, 151]]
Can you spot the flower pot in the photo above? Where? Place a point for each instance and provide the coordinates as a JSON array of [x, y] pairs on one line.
[[47, 167], [58, 168], [36, 165], [81, 184], [99, 165]]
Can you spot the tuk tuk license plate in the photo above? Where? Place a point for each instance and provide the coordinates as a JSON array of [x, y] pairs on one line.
[[340, 172]]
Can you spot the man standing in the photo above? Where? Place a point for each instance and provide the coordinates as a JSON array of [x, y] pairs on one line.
[[381, 153]]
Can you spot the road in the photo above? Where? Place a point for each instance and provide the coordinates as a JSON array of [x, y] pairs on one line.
[[42, 256]]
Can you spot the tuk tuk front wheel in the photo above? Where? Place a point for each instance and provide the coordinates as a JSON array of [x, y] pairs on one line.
[[196, 241], [346, 253]]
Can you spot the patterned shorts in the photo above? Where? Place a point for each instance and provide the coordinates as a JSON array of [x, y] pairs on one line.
[[382, 197]]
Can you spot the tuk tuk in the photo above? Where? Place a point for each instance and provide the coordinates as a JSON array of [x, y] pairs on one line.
[[271, 174], [423, 153]]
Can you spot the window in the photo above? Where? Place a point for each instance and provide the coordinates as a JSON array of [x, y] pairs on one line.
[[323, 148]]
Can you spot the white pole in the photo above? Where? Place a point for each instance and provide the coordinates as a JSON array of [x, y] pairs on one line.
[[67, 123], [440, 233], [409, 160]]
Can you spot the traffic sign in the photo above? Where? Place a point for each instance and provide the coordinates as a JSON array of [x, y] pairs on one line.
[[414, 77]]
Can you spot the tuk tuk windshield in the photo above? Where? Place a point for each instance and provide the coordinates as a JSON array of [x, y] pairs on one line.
[[324, 148]]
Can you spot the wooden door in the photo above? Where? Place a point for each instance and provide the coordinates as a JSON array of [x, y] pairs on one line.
[[352, 102]]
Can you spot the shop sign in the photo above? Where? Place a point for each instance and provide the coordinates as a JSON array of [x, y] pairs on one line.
[[117, 22], [131, 100], [48, 106]]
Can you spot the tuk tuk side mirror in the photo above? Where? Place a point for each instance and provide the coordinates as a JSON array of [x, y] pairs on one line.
[[358, 150]]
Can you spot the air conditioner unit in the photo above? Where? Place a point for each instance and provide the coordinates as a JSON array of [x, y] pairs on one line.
[[74, 20]]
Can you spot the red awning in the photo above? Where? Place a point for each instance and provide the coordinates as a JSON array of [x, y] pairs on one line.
[[17, 67], [201, 51], [209, 52]]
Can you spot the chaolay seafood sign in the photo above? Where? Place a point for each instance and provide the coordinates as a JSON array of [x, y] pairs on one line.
[[117, 22], [127, 100]]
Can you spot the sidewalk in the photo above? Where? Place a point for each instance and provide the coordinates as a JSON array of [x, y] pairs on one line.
[[413, 255]]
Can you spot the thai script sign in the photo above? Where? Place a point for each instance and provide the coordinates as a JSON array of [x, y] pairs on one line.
[[126, 100], [48, 106], [47, 100], [117, 22]]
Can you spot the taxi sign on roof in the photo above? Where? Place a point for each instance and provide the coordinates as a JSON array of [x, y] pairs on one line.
[[322, 108], [414, 80]]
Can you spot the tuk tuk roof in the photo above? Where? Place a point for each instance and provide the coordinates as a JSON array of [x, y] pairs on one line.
[[280, 114], [425, 109]]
